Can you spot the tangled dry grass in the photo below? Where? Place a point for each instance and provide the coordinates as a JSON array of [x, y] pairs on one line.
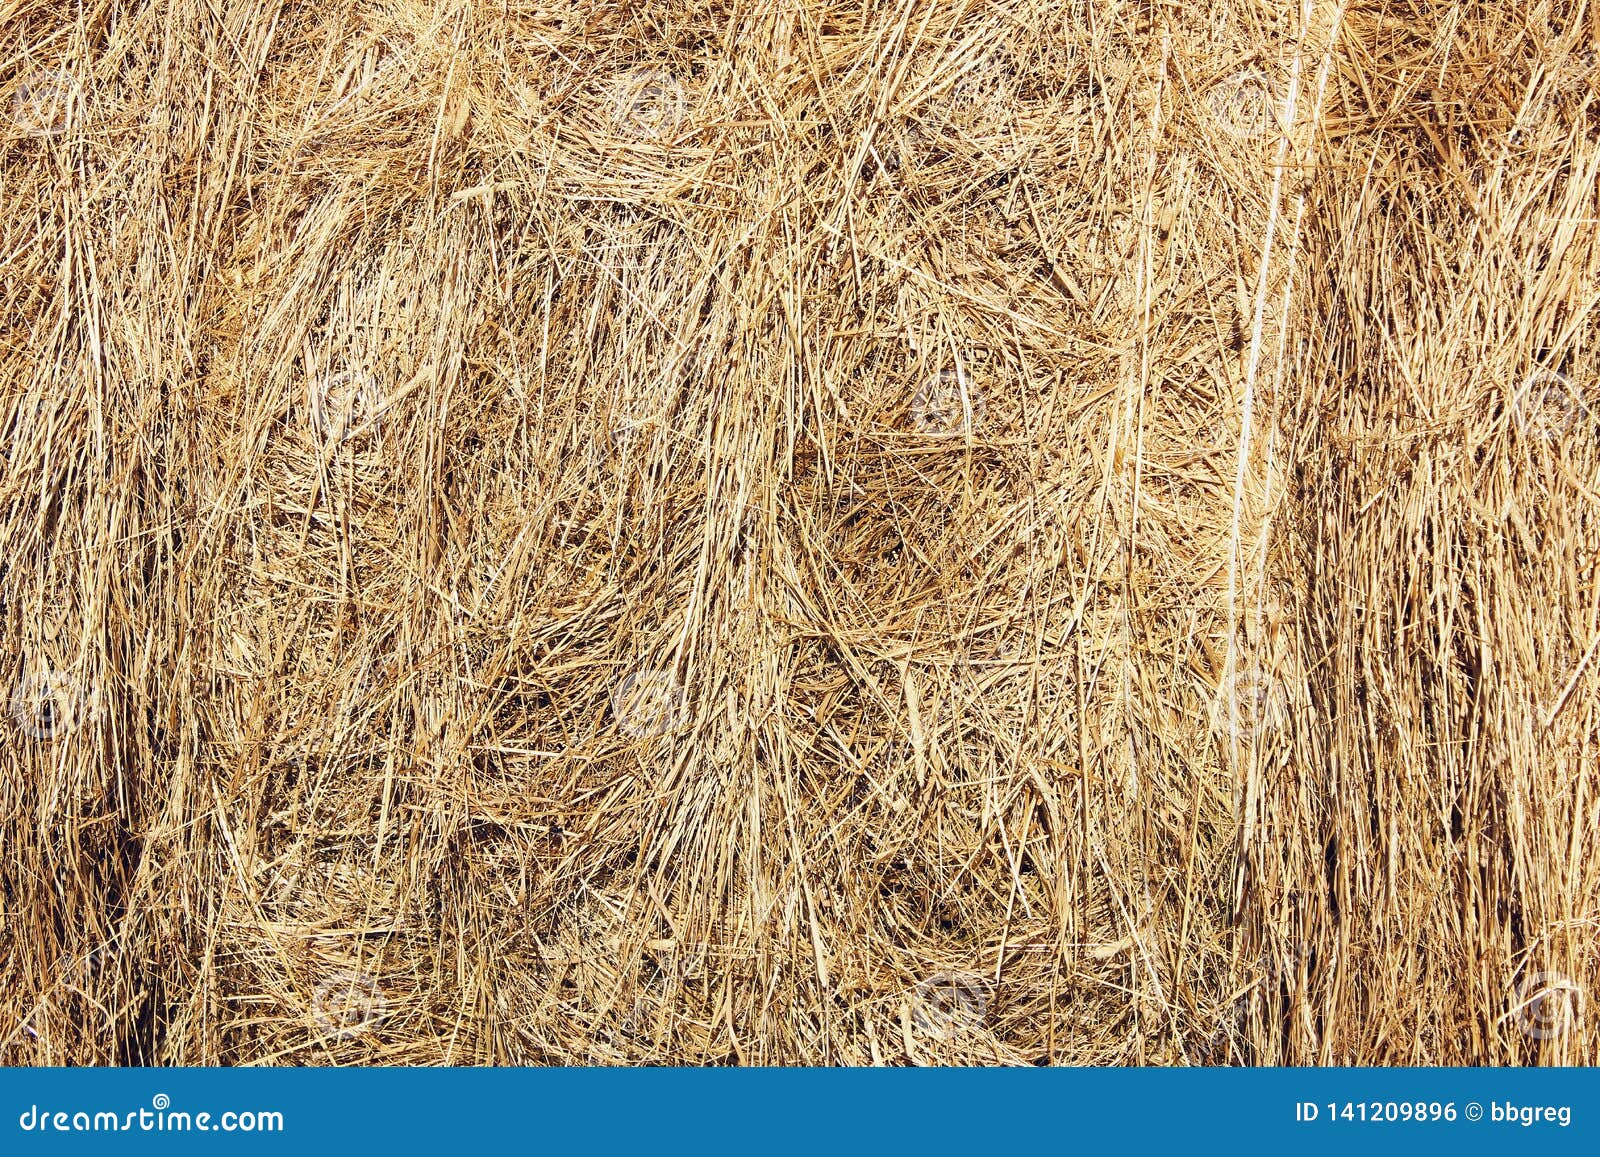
[[705, 532]]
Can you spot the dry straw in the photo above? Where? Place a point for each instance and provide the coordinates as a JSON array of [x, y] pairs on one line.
[[1022, 532]]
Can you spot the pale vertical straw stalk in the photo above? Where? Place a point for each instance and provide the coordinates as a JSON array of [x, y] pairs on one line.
[[1253, 361]]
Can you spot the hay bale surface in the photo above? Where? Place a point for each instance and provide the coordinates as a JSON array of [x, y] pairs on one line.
[[684, 532]]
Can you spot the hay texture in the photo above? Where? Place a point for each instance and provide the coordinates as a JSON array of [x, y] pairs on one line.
[[729, 532]]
